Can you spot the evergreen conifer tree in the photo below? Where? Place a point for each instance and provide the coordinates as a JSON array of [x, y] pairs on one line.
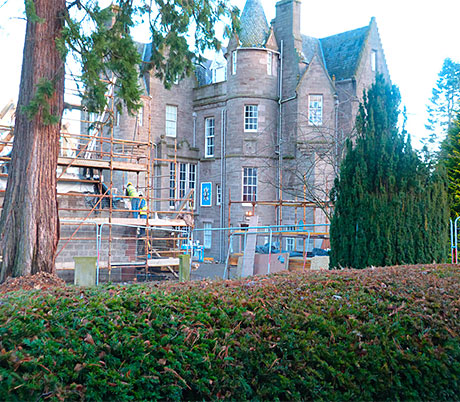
[[390, 208], [450, 157], [444, 104]]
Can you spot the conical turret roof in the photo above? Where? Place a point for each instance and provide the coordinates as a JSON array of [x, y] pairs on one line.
[[254, 25]]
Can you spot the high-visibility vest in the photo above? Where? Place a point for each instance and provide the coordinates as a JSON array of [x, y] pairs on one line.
[[132, 192], [143, 207]]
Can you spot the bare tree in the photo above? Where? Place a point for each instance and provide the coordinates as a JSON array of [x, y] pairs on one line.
[[311, 159]]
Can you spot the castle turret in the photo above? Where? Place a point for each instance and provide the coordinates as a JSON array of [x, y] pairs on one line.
[[253, 55], [252, 108]]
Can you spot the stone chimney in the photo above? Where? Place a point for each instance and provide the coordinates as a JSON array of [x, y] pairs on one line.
[[287, 29]]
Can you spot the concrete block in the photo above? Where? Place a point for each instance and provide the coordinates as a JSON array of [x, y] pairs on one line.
[[184, 267], [85, 271], [318, 263]]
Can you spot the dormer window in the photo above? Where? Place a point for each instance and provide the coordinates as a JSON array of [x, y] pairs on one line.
[[218, 74], [374, 60]]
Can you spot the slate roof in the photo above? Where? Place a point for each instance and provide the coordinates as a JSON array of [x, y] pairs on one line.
[[146, 52], [254, 26], [310, 47], [342, 52]]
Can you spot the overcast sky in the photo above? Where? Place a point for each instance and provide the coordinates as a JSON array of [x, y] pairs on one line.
[[417, 35]]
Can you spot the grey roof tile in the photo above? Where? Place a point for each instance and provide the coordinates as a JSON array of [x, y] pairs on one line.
[[310, 47], [341, 52], [254, 25]]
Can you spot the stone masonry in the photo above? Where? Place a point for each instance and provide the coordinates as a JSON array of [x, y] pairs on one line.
[[303, 127]]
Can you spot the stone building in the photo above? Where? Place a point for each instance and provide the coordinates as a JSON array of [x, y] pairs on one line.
[[263, 121]]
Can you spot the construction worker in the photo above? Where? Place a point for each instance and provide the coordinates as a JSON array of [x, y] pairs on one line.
[[143, 245], [142, 206], [132, 192]]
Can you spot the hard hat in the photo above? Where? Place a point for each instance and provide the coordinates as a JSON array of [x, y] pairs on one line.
[[141, 194], [129, 184]]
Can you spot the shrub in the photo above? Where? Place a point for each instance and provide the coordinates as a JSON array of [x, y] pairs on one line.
[[386, 334]]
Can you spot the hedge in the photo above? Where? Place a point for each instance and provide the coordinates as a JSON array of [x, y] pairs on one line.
[[381, 334]]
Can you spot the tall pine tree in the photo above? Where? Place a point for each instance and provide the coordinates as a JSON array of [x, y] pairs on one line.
[[450, 157], [390, 208], [444, 103]]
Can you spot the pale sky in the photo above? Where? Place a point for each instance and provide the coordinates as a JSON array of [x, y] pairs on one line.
[[417, 35]]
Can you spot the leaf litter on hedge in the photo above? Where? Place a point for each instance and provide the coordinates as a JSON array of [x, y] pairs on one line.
[[385, 333]]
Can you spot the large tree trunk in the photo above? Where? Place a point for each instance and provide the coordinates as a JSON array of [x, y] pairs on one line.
[[29, 224]]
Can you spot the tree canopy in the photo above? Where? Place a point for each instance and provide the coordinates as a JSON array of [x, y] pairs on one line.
[[99, 39], [390, 208], [444, 103], [450, 157]]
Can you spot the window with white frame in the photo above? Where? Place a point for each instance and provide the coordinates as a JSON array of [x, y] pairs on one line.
[[269, 63], [117, 116], [209, 135], [171, 120], [219, 74], [251, 117], [185, 236], [315, 110], [218, 194], [207, 238], [186, 180], [290, 244], [182, 180], [374, 60], [234, 61], [140, 116], [172, 184], [192, 180], [266, 238], [249, 184]]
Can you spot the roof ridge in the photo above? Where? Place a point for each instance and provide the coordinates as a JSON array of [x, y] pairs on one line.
[[346, 32]]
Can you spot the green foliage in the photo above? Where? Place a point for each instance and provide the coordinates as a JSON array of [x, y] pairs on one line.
[[31, 12], [444, 103], [450, 157], [390, 208], [41, 103], [388, 334], [100, 40]]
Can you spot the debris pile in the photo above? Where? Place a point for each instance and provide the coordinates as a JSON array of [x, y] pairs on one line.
[[39, 281]]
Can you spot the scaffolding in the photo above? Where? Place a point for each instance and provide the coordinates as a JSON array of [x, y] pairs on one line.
[[303, 211], [95, 162]]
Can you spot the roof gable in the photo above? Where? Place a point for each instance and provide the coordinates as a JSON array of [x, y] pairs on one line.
[[316, 60], [310, 47]]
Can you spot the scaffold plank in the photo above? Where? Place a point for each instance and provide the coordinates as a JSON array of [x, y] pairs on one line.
[[101, 164], [164, 262], [153, 222]]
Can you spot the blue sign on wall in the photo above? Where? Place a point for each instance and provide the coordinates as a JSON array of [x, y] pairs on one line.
[[206, 194]]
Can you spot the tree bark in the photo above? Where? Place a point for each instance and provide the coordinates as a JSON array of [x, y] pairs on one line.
[[29, 223]]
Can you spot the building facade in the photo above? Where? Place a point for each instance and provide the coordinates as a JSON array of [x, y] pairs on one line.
[[265, 120]]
